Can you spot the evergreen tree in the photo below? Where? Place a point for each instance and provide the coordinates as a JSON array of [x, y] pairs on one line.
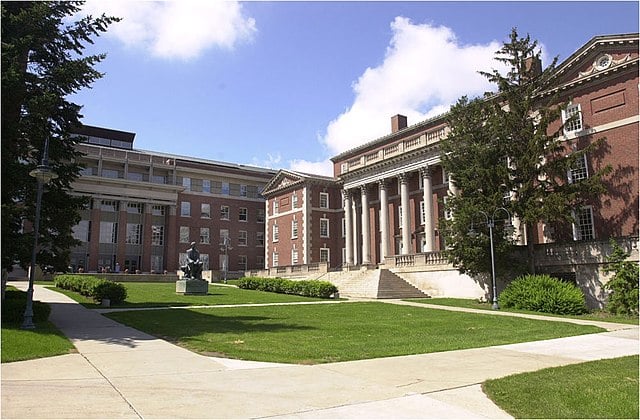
[[507, 150], [42, 64]]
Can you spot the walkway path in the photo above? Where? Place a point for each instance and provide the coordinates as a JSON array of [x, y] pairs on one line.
[[120, 372]]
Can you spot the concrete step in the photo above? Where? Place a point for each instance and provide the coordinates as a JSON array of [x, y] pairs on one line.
[[391, 286]]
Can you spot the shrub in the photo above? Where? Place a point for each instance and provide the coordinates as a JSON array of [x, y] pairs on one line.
[[309, 288], [623, 285], [542, 293], [92, 287], [14, 304]]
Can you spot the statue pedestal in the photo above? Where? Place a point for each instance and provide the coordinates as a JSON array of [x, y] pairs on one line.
[[192, 287]]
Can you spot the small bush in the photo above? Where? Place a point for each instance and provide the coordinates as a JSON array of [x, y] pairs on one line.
[[92, 287], [623, 285], [14, 304], [542, 293], [309, 288]]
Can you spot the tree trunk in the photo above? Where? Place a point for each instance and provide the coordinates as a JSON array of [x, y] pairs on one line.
[[531, 257]]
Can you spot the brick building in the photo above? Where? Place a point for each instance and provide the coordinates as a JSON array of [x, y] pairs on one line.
[[146, 207]]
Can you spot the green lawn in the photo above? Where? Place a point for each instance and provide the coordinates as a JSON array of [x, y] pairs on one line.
[[600, 389], [337, 332], [474, 304], [147, 295]]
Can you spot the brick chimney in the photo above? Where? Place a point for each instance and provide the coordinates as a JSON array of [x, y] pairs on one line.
[[398, 122], [533, 65]]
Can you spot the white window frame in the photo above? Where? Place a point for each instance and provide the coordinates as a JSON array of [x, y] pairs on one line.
[[243, 214], [134, 234], [184, 234], [205, 235], [157, 235], [294, 229], [242, 238], [224, 233], [205, 211], [294, 256], [580, 172], [276, 206], [294, 201], [108, 233], [224, 212], [185, 209], [567, 114], [276, 233], [274, 259], [325, 255], [324, 230], [324, 200], [583, 214]]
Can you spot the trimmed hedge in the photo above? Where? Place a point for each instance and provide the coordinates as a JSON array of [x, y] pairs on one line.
[[14, 304], [309, 288], [92, 287], [542, 293]]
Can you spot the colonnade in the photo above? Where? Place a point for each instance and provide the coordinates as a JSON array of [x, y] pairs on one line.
[[353, 251]]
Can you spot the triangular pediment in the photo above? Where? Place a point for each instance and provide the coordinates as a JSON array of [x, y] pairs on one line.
[[282, 180]]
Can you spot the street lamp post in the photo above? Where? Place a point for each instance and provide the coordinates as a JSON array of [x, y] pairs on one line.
[[490, 221], [43, 174], [226, 248]]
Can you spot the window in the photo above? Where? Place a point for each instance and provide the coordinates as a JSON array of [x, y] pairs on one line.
[[324, 228], [242, 238], [135, 176], [294, 256], [134, 208], [134, 234], [583, 226], [157, 210], [242, 262], [276, 233], [224, 236], [185, 209], [205, 261], [108, 232], [82, 231], [157, 235], [572, 118], [156, 263], [275, 206], [225, 188], [243, 190], [324, 200], [294, 201], [259, 238], [110, 173], [243, 214], [206, 185], [445, 176], [294, 229], [205, 210], [224, 212], [260, 261], [184, 234], [274, 259], [204, 236], [579, 171], [186, 183], [108, 205], [260, 216], [324, 255], [448, 213]]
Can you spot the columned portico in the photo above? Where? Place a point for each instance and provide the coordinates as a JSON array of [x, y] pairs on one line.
[[348, 229], [366, 250], [384, 219], [428, 210], [406, 222]]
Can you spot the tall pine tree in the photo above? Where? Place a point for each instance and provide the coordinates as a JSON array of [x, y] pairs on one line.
[[42, 64], [507, 150]]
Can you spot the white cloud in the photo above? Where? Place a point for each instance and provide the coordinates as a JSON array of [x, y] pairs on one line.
[[272, 161], [424, 72], [318, 168], [176, 29]]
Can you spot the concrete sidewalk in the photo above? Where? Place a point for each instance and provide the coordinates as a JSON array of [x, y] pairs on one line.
[[120, 372]]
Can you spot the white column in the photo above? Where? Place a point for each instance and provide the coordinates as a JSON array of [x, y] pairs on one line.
[[384, 219], [429, 230], [406, 223], [348, 229], [366, 245], [354, 223]]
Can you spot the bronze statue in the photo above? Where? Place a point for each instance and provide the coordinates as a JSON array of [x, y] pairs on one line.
[[193, 268]]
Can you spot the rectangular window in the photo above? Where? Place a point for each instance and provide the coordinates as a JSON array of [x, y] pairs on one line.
[[583, 227], [274, 259], [225, 188], [324, 228], [157, 235], [108, 232], [135, 176], [445, 176], [324, 255], [294, 201], [572, 118], [260, 216], [185, 209], [259, 238], [243, 190], [206, 186], [294, 256], [243, 214], [157, 210], [294, 229], [184, 234], [224, 212], [324, 200], [134, 208], [242, 238], [82, 231], [224, 236], [110, 173], [204, 236], [260, 261], [205, 261], [579, 171], [242, 262], [134, 234], [276, 233], [205, 210], [275, 206], [108, 205], [186, 183]]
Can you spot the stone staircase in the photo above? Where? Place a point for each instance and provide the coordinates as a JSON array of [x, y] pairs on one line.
[[374, 284], [392, 286]]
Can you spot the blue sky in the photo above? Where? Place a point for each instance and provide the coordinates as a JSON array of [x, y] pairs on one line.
[[291, 84]]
